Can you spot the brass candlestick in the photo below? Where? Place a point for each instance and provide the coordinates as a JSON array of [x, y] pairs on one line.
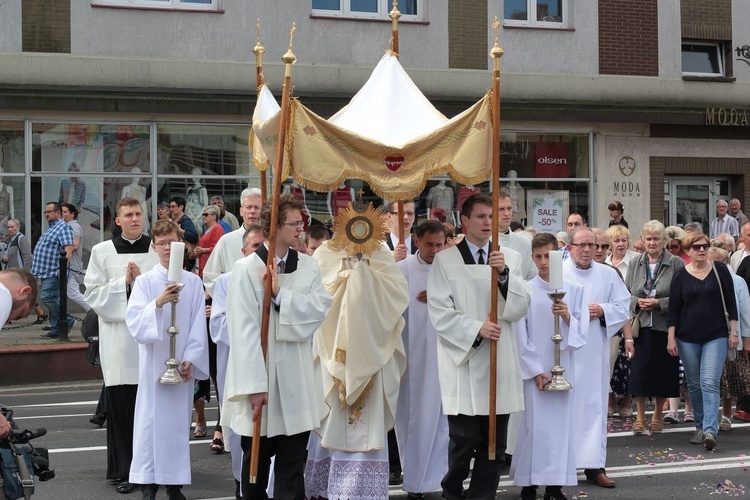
[[173, 375], [558, 382]]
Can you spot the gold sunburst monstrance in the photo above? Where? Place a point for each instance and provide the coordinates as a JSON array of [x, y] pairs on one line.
[[358, 230]]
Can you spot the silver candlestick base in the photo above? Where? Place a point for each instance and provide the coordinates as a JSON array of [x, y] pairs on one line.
[[173, 375], [558, 382]]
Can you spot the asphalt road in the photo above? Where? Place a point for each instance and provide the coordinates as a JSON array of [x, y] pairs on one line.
[[665, 466]]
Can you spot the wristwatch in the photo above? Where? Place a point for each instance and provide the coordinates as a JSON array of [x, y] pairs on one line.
[[734, 334]]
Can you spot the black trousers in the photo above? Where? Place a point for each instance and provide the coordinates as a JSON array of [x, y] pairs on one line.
[[394, 461], [468, 439], [120, 417], [289, 467]]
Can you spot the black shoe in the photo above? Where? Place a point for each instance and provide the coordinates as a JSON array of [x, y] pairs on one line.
[[47, 328], [50, 336], [394, 478], [98, 419], [528, 493], [414, 495], [148, 491], [174, 493], [237, 495], [124, 487], [41, 319], [553, 493]]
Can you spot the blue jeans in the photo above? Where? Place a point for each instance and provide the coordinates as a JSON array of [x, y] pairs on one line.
[[50, 297], [703, 365]]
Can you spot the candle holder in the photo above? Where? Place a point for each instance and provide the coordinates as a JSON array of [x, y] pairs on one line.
[[173, 375], [558, 382]]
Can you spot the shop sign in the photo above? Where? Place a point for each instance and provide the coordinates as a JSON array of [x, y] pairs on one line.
[[727, 116], [551, 159], [626, 188]]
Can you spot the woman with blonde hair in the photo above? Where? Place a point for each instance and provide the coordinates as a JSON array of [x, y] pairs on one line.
[[621, 255], [697, 331], [653, 372], [676, 234]]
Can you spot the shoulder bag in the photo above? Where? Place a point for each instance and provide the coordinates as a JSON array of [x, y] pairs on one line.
[[731, 353]]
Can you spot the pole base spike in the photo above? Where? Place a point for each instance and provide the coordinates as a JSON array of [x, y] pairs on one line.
[[253, 479]]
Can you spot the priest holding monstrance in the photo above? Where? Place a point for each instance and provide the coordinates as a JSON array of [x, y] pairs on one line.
[[360, 356]]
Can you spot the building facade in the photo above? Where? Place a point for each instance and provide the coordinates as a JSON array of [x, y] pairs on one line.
[[643, 102]]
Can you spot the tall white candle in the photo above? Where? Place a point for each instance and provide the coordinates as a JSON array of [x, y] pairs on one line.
[[176, 254], [555, 270]]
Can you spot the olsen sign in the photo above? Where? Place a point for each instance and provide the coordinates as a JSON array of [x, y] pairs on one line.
[[727, 117]]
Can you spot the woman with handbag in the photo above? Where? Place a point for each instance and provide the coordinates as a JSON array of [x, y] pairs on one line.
[[653, 372], [702, 327]]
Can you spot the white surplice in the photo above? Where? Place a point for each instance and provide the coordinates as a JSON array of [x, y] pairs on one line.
[[458, 303], [295, 397], [106, 293], [220, 335], [161, 441], [421, 426], [603, 286], [6, 304], [522, 245], [227, 251], [545, 451]]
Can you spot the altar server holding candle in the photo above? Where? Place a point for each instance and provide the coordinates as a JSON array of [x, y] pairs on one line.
[[161, 451], [545, 452]]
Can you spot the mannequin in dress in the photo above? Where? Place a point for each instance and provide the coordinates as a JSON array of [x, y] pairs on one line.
[[517, 198], [339, 199], [441, 196], [135, 190], [196, 199], [6, 204]]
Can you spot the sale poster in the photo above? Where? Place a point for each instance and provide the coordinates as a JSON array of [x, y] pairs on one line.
[[548, 209]]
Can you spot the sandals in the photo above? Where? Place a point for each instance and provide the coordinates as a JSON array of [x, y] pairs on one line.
[[726, 424], [656, 426], [217, 446], [41, 319], [688, 417], [200, 431], [639, 427]]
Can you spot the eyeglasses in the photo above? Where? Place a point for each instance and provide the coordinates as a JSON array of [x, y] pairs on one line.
[[297, 224], [603, 246], [164, 244], [408, 214], [674, 246], [585, 245], [700, 246], [206, 215]]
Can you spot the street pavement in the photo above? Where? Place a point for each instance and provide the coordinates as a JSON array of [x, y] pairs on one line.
[[664, 466]]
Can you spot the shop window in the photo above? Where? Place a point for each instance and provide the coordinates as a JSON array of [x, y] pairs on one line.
[[374, 9], [197, 5], [12, 152], [197, 150], [543, 13], [702, 58]]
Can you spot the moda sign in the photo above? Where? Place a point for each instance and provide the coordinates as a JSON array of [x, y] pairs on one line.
[[727, 117]]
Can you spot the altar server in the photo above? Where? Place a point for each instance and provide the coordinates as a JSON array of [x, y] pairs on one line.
[[161, 447], [113, 267], [458, 289], [282, 386], [544, 452], [608, 301], [421, 425]]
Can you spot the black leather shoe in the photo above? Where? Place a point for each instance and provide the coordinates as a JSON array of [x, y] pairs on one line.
[[124, 487], [98, 419], [528, 493], [394, 478], [174, 493]]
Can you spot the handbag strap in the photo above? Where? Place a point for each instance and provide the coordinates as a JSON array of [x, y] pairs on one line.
[[721, 291]]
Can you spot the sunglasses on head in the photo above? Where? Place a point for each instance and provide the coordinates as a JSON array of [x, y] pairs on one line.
[[700, 246]]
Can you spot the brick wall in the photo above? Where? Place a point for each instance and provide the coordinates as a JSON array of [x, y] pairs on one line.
[[628, 37], [467, 34], [706, 20], [46, 26]]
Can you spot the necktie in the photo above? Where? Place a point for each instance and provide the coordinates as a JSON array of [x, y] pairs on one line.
[[480, 259], [280, 267]]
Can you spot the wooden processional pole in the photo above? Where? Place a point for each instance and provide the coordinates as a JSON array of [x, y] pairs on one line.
[[395, 15], [288, 59], [258, 50], [496, 54]]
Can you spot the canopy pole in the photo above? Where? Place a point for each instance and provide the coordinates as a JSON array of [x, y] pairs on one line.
[[395, 15], [496, 54], [259, 50], [289, 59]]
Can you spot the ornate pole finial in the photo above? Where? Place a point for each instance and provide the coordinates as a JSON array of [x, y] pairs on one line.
[[496, 51], [259, 49], [395, 14], [289, 57]]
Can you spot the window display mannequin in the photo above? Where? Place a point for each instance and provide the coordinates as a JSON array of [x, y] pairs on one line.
[[517, 198], [441, 196], [73, 189], [6, 204], [299, 192], [196, 198], [339, 199], [135, 190]]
